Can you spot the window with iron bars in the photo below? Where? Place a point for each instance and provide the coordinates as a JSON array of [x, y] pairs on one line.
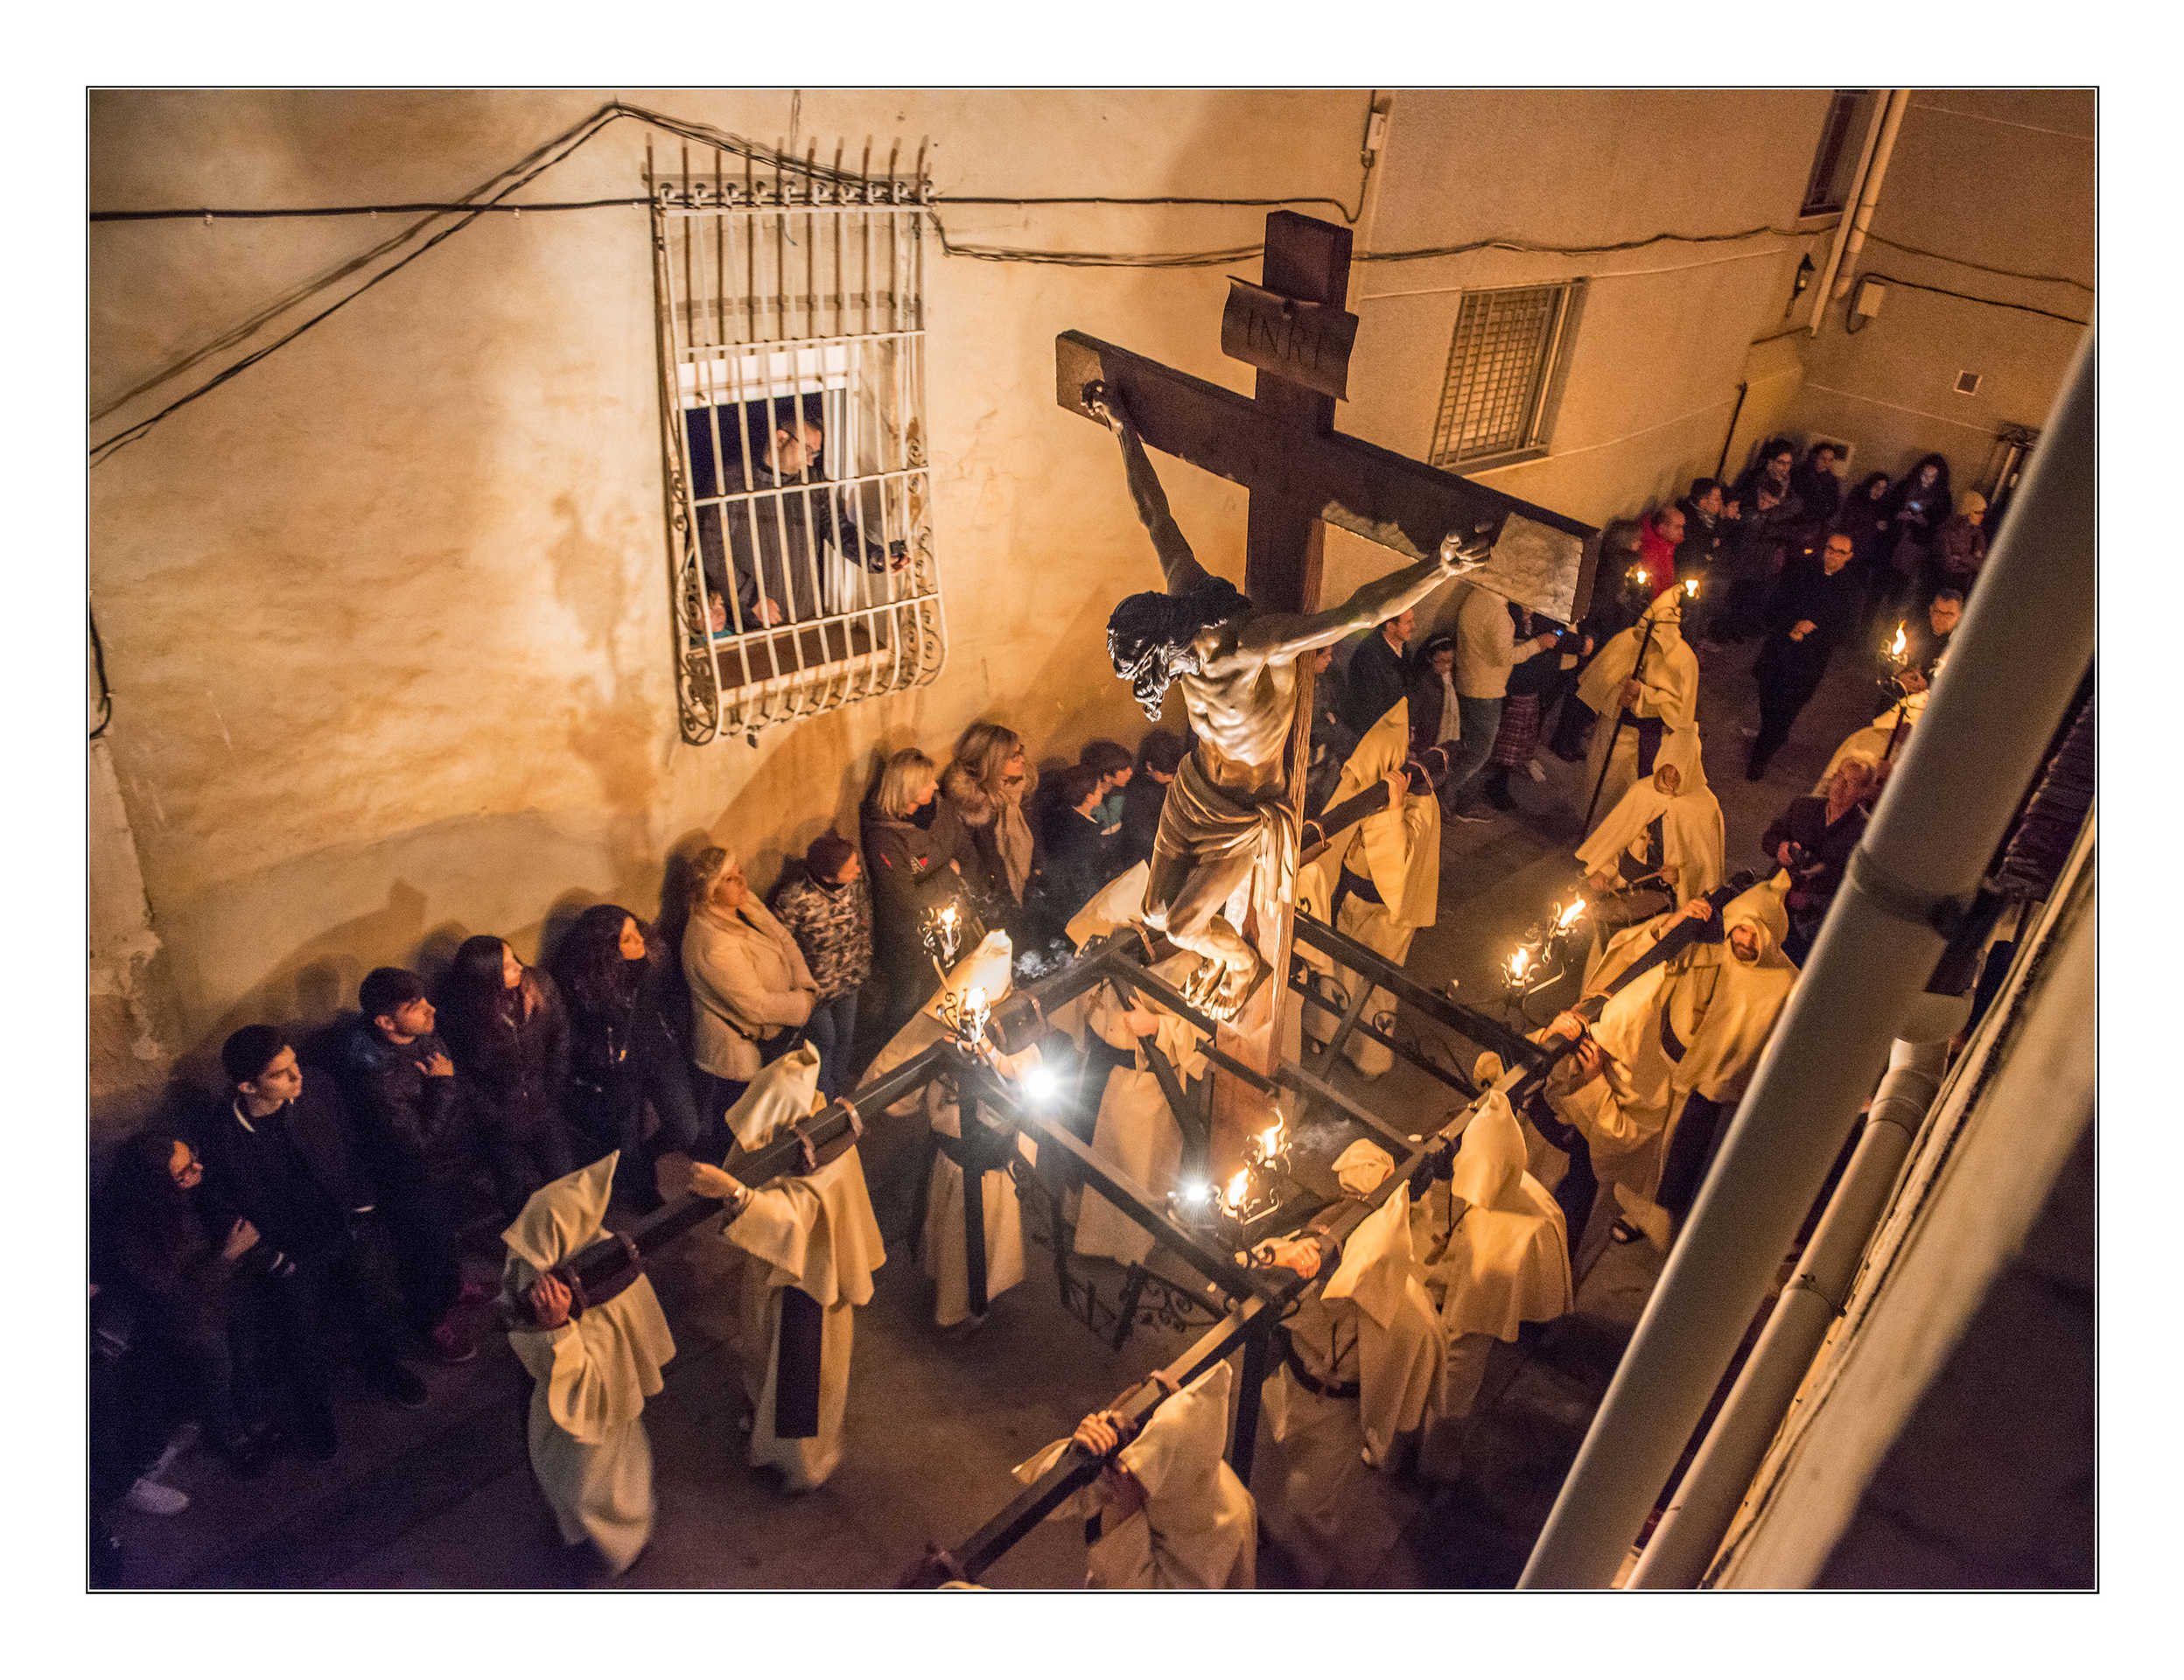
[[1505, 371], [792, 332]]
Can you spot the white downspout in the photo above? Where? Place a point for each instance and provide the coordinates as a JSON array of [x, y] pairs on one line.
[[1707, 1499], [1849, 233], [2028, 636]]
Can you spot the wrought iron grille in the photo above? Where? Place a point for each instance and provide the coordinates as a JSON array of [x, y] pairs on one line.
[[1500, 365], [791, 305]]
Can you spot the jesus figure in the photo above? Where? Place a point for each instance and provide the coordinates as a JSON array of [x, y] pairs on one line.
[[1229, 814]]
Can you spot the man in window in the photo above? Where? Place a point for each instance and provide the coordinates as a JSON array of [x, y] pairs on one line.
[[781, 525]]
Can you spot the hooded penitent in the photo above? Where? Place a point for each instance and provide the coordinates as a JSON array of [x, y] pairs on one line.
[[1667, 698], [1135, 1130], [1505, 1262], [1648, 827], [592, 1373], [1397, 852], [1198, 1528], [946, 1257], [814, 1246]]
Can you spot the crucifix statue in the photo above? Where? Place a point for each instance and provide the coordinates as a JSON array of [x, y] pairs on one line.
[[1224, 861]]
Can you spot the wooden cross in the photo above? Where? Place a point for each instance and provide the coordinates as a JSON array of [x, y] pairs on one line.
[[1280, 443]]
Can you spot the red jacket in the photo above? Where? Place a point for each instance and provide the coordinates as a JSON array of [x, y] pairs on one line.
[[1657, 555]]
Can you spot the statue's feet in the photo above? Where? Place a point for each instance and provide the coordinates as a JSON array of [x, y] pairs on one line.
[[1106, 405], [1219, 988]]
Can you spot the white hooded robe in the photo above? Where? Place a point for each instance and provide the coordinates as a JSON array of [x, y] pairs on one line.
[[1198, 1527], [1400, 852], [812, 1233], [1668, 690], [591, 1374]]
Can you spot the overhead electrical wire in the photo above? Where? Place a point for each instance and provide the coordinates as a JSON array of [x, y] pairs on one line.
[[1981, 268], [1991, 302]]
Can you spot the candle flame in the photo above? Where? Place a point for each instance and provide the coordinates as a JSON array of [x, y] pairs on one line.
[[1895, 648], [947, 916], [1519, 959], [1568, 917], [1270, 1141], [1238, 1188], [1690, 586]]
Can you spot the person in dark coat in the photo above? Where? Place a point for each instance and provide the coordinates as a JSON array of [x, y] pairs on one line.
[[1332, 739], [625, 1054], [775, 540], [202, 1279], [1813, 610], [1769, 516], [276, 1149], [1925, 641], [1080, 860], [418, 1146], [1864, 518], [509, 1030], [1705, 523], [1813, 839], [910, 857], [1916, 511], [1818, 486], [1376, 677], [1960, 547], [1159, 756]]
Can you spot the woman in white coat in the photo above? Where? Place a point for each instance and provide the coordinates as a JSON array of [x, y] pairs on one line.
[[750, 987]]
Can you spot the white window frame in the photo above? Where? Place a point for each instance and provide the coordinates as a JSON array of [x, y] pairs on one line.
[[785, 285]]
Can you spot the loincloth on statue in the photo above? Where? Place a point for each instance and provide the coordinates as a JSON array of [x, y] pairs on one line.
[[1222, 836]]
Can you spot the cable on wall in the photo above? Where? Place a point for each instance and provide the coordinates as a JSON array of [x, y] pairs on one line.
[[98, 664], [1965, 297], [1981, 268]]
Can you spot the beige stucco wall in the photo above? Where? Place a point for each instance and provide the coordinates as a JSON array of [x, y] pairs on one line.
[[388, 614], [2005, 179], [1663, 340]]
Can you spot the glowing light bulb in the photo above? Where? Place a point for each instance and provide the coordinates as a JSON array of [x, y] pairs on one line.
[[1040, 1084], [1195, 1191]]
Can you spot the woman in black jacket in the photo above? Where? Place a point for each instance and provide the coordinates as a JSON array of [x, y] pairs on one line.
[[509, 1034], [1916, 511], [623, 1049], [197, 1272]]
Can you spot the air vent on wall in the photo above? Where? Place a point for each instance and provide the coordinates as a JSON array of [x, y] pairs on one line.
[[1968, 384]]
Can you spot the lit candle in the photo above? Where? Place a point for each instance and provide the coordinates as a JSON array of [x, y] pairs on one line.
[[975, 1001], [1520, 959], [1691, 587], [1895, 648], [1239, 1188], [1270, 1141], [1568, 917]]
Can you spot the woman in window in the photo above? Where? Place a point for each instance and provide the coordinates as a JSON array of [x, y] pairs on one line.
[[624, 1051], [509, 1035]]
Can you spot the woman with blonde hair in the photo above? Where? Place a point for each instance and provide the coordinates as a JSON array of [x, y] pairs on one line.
[[751, 989], [994, 755], [907, 858]]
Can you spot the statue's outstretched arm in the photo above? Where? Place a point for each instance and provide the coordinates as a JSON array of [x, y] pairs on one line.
[[1177, 563], [1273, 635]]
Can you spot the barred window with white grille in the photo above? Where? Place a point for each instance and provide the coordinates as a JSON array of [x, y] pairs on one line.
[[1505, 371], [792, 329]]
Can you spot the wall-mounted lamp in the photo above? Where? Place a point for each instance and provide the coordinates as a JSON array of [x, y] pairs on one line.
[[1805, 272]]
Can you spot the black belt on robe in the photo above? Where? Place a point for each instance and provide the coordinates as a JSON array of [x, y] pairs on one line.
[[1649, 731], [1326, 1388]]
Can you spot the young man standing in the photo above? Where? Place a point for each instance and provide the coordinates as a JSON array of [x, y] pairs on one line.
[[1375, 679], [410, 1120], [277, 1149]]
